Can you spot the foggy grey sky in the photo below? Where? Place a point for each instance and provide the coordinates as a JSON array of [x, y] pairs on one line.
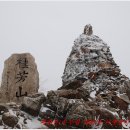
[[47, 31]]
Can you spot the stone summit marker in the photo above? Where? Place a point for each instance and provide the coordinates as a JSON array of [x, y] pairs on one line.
[[20, 78]]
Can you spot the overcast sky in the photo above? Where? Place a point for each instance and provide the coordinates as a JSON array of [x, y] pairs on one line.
[[47, 31]]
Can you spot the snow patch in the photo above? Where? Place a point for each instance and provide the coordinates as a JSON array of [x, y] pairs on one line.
[[44, 109], [92, 94]]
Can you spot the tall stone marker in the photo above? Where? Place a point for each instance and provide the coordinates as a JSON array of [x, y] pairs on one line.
[[20, 78]]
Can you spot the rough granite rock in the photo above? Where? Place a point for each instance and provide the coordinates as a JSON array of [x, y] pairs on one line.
[[88, 30], [9, 119], [66, 93], [33, 103], [20, 78]]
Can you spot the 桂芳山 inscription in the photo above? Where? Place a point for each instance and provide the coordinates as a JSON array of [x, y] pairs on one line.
[[20, 78]]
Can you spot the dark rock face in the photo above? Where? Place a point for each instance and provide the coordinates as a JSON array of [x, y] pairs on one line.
[[59, 104], [3, 109], [67, 93], [108, 117], [73, 85], [33, 103], [78, 113]]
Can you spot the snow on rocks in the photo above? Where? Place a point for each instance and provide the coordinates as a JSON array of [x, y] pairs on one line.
[[13, 117], [94, 93], [9, 119], [91, 71]]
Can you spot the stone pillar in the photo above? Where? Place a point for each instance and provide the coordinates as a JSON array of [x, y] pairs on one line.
[[20, 78]]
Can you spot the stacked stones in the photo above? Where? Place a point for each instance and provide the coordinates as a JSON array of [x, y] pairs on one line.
[[93, 88]]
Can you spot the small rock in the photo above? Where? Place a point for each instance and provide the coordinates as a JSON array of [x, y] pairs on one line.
[[3, 108], [70, 93], [88, 29], [107, 116], [104, 65], [9, 119], [18, 126], [72, 84], [33, 103], [125, 98], [121, 104], [46, 113], [80, 112]]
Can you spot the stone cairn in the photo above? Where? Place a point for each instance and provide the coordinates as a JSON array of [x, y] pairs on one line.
[[94, 93]]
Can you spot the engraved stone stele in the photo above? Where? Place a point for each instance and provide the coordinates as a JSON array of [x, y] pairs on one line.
[[20, 78]]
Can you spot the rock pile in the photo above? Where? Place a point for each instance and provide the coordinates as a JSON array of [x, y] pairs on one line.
[[94, 93], [23, 116]]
